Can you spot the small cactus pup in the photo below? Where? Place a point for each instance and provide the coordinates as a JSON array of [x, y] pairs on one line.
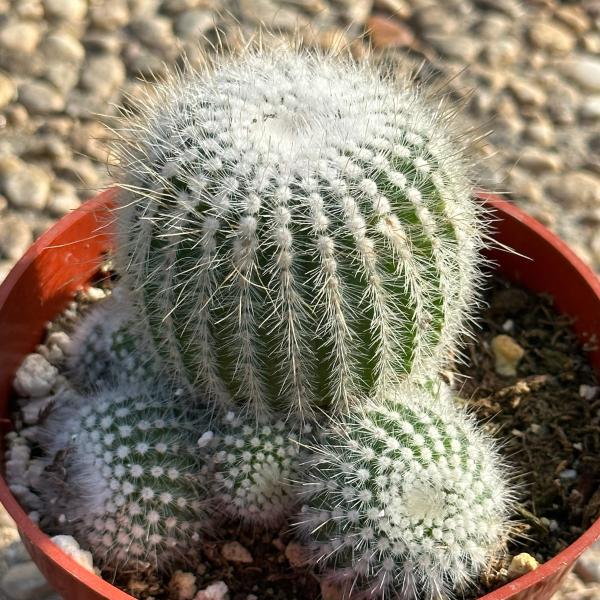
[[124, 478], [296, 230], [102, 348], [406, 498], [255, 469]]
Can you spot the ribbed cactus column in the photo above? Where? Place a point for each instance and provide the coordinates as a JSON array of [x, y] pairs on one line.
[[297, 230], [406, 499], [124, 478]]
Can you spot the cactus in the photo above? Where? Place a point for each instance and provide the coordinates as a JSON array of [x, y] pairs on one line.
[[124, 478], [102, 349], [296, 230], [406, 499], [255, 470]]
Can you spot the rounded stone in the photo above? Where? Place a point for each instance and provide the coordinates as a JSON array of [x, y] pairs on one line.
[[63, 199], [193, 24], [583, 69], [388, 33], [69, 545], [15, 236], [35, 377], [20, 37], [577, 189], [502, 51], [552, 37], [7, 90], [155, 32], [25, 582], [540, 131], [67, 10], [109, 14], [590, 109], [537, 160], [26, 186], [236, 553], [41, 98], [461, 47], [62, 46], [103, 74], [527, 92], [178, 6]]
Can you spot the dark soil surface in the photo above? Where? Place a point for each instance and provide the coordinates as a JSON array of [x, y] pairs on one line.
[[549, 428]]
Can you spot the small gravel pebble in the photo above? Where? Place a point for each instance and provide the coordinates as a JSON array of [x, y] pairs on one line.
[[588, 565], [235, 552], [41, 97], [579, 188], [67, 10], [527, 92], [25, 185], [296, 555], [63, 199], [183, 585], [215, 591], [552, 37], [15, 236], [507, 354], [7, 90], [69, 545], [24, 582], [584, 69], [521, 564], [20, 37], [35, 377]]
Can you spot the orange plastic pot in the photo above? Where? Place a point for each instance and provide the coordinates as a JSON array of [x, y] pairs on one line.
[[64, 259]]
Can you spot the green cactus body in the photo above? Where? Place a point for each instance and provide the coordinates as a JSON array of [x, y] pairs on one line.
[[124, 478], [255, 470], [405, 497], [297, 231]]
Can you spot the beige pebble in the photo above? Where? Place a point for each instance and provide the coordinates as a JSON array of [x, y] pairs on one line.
[[235, 552], [507, 354], [215, 591], [296, 555], [183, 585], [521, 564]]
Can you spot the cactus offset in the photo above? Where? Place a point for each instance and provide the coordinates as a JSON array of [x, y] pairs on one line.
[[103, 351], [296, 231], [255, 469], [124, 478], [406, 498]]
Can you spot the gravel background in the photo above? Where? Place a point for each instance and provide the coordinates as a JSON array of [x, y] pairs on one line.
[[529, 71]]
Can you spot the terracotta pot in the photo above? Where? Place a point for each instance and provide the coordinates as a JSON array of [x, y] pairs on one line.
[[63, 260]]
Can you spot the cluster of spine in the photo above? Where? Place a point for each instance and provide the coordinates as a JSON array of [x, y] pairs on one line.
[[296, 232], [124, 478], [103, 350], [255, 470], [405, 498]]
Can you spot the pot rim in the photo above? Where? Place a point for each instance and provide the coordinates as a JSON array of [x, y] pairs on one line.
[[37, 539]]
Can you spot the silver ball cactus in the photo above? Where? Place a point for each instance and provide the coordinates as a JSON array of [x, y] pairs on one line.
[[103, 349], [296, 230], [124, 479], [406, 499], [255, 469]]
